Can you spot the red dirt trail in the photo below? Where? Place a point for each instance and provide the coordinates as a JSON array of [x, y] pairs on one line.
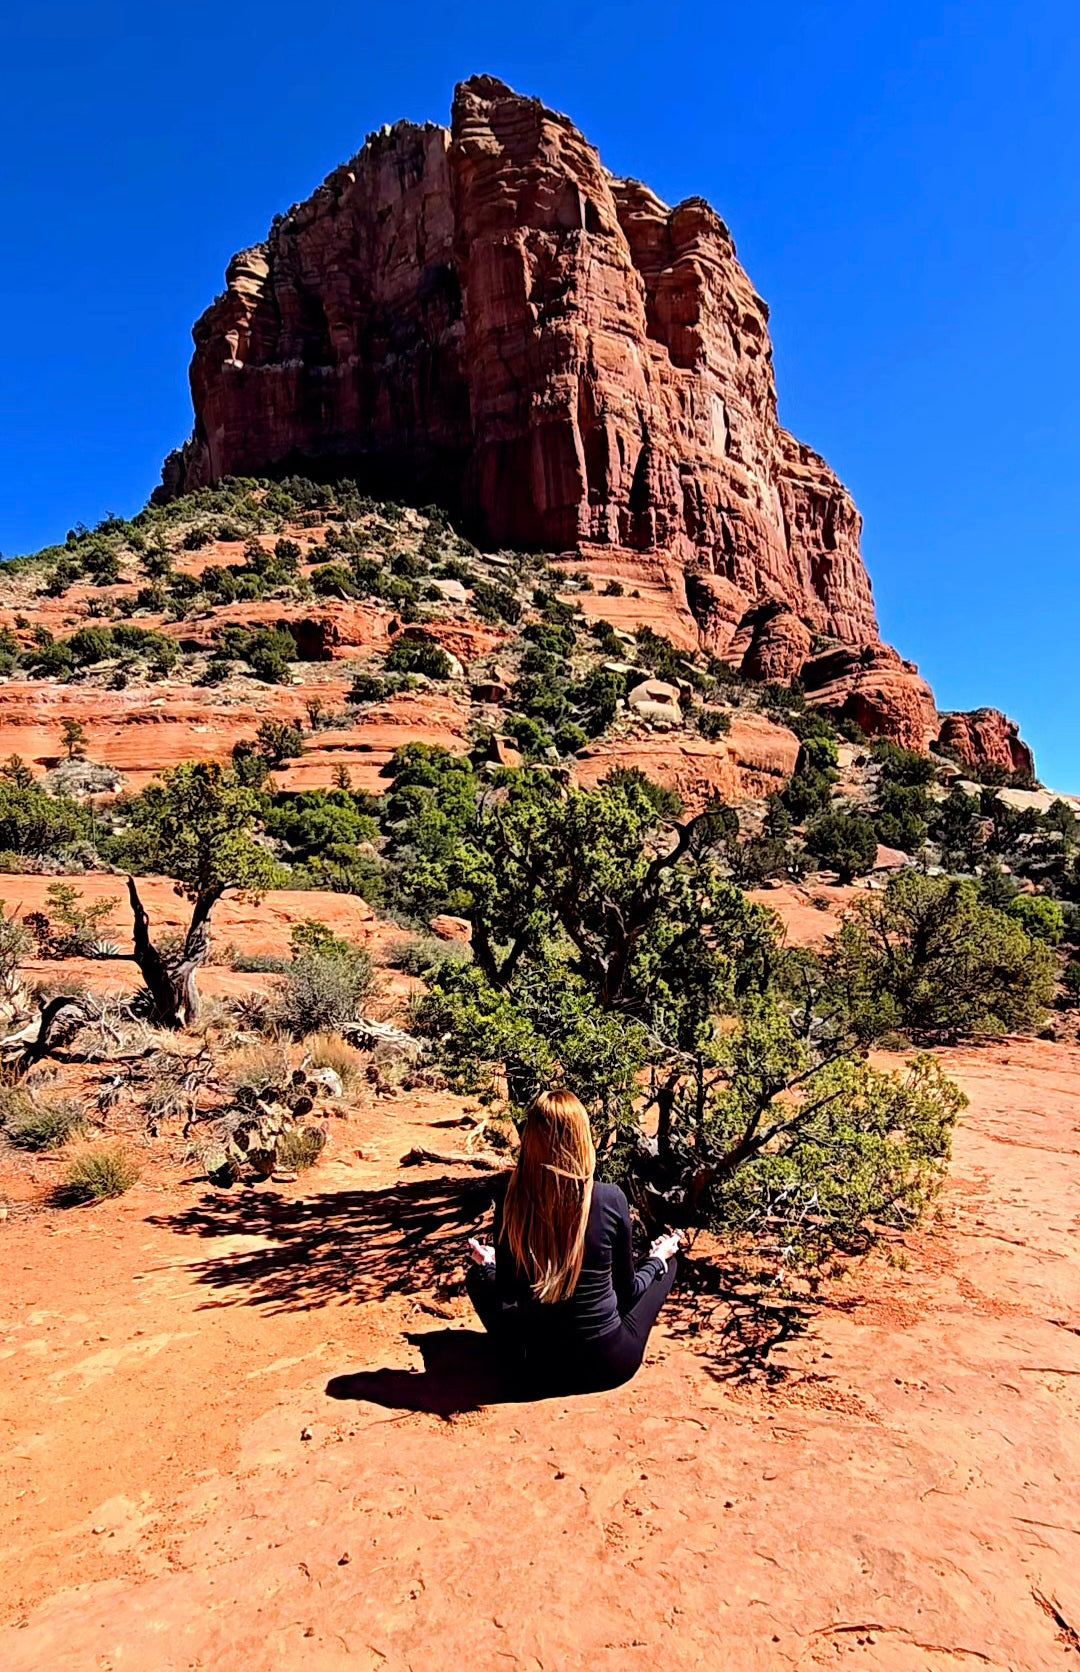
[[902, 1496]]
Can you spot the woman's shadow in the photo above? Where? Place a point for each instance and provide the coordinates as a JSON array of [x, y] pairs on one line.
[[461, 1372]]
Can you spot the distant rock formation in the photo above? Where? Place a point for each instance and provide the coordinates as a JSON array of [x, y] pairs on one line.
[[485, 317], [986, 738]]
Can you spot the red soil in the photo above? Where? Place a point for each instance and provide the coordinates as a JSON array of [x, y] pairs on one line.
[[903, 1496]]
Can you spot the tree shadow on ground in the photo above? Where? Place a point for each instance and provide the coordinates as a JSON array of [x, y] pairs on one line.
[[341, 1245], [728, 1306], [461, 1373], [409, 1240]]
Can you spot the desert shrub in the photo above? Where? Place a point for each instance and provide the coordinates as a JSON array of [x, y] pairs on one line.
[[45, 1125], [529, 735], [369, 687], [257, 1068], [327, 838], [759, 859], [844, 842], [425, 955], [872, 1152], [216, 671], [810, 788], [1041, 917], [929, 957], [299, 1148], [277, 741], [419, 656], [782, 700], [557, 638], [268, 652], [324, 988], [10, 651], [956, 826], [903, 766], [430, 802], [666, 660], [260, 963], [16, 944], [713, 722], [329, 1050], [596, 699], [334, 580], [570, 738], [496, 603], [69, 928], [36, 823], [99, 1174]]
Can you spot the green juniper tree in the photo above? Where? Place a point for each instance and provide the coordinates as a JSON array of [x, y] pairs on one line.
[[725, 1080]]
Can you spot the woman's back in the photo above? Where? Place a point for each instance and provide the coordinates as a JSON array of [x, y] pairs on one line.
[[608, 1284]]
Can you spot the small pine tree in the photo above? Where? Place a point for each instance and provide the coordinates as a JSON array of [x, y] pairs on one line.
[[73, 736]]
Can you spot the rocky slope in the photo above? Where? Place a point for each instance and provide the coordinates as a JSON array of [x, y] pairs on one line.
[[484, 316]]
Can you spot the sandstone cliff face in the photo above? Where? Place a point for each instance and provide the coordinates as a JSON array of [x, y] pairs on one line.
[[485, 317], [487, 314]]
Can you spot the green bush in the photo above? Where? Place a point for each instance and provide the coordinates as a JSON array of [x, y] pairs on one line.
[[927, 956], [844, 843], [324, 990], [36, 823], [1041, 917], [277, 741], [496, 603], [267, 651], [713, 722], [422, 656]]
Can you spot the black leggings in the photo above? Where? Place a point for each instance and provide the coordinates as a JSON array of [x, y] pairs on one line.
[[575, 1366]]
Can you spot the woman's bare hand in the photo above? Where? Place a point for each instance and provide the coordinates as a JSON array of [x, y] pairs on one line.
[[481, 1253]]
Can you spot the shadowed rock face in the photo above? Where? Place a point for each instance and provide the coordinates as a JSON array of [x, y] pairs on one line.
[[485, 317]]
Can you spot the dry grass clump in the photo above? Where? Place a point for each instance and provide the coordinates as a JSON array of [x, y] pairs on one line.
[[99, 1174], [329, 1050], [32, 1123], [46, 1126], [257, 1067]]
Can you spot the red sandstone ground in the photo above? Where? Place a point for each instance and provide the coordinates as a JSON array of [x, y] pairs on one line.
[[180, 1491]]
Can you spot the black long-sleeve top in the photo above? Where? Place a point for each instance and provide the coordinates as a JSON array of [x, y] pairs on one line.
[[605, 1291]]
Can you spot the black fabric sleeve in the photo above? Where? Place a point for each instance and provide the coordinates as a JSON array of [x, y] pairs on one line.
[[505, 1272], [630, 1285]]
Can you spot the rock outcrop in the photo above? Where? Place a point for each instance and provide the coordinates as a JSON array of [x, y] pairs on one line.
[[984, 738], [485, 317], [488, 315]]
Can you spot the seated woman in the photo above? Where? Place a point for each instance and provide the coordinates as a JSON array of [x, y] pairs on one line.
[[558, 1290]]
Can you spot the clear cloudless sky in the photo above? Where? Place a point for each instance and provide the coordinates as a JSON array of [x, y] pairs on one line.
[[902, 179]]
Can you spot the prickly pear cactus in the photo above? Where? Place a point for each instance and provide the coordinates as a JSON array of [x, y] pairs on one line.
[[253, 1130]]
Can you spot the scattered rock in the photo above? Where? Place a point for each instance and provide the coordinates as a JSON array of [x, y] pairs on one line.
[[451, 928], [656, 701]]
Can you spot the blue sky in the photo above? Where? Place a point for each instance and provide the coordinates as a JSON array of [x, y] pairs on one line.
[[901, 181]]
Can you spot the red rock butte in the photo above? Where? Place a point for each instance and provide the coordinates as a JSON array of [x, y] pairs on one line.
[[485, 317]]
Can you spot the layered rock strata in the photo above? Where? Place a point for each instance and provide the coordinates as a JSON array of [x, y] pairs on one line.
[[486, 317]]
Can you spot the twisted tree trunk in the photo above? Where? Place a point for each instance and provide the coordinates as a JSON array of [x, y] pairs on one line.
[[171, 983]]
